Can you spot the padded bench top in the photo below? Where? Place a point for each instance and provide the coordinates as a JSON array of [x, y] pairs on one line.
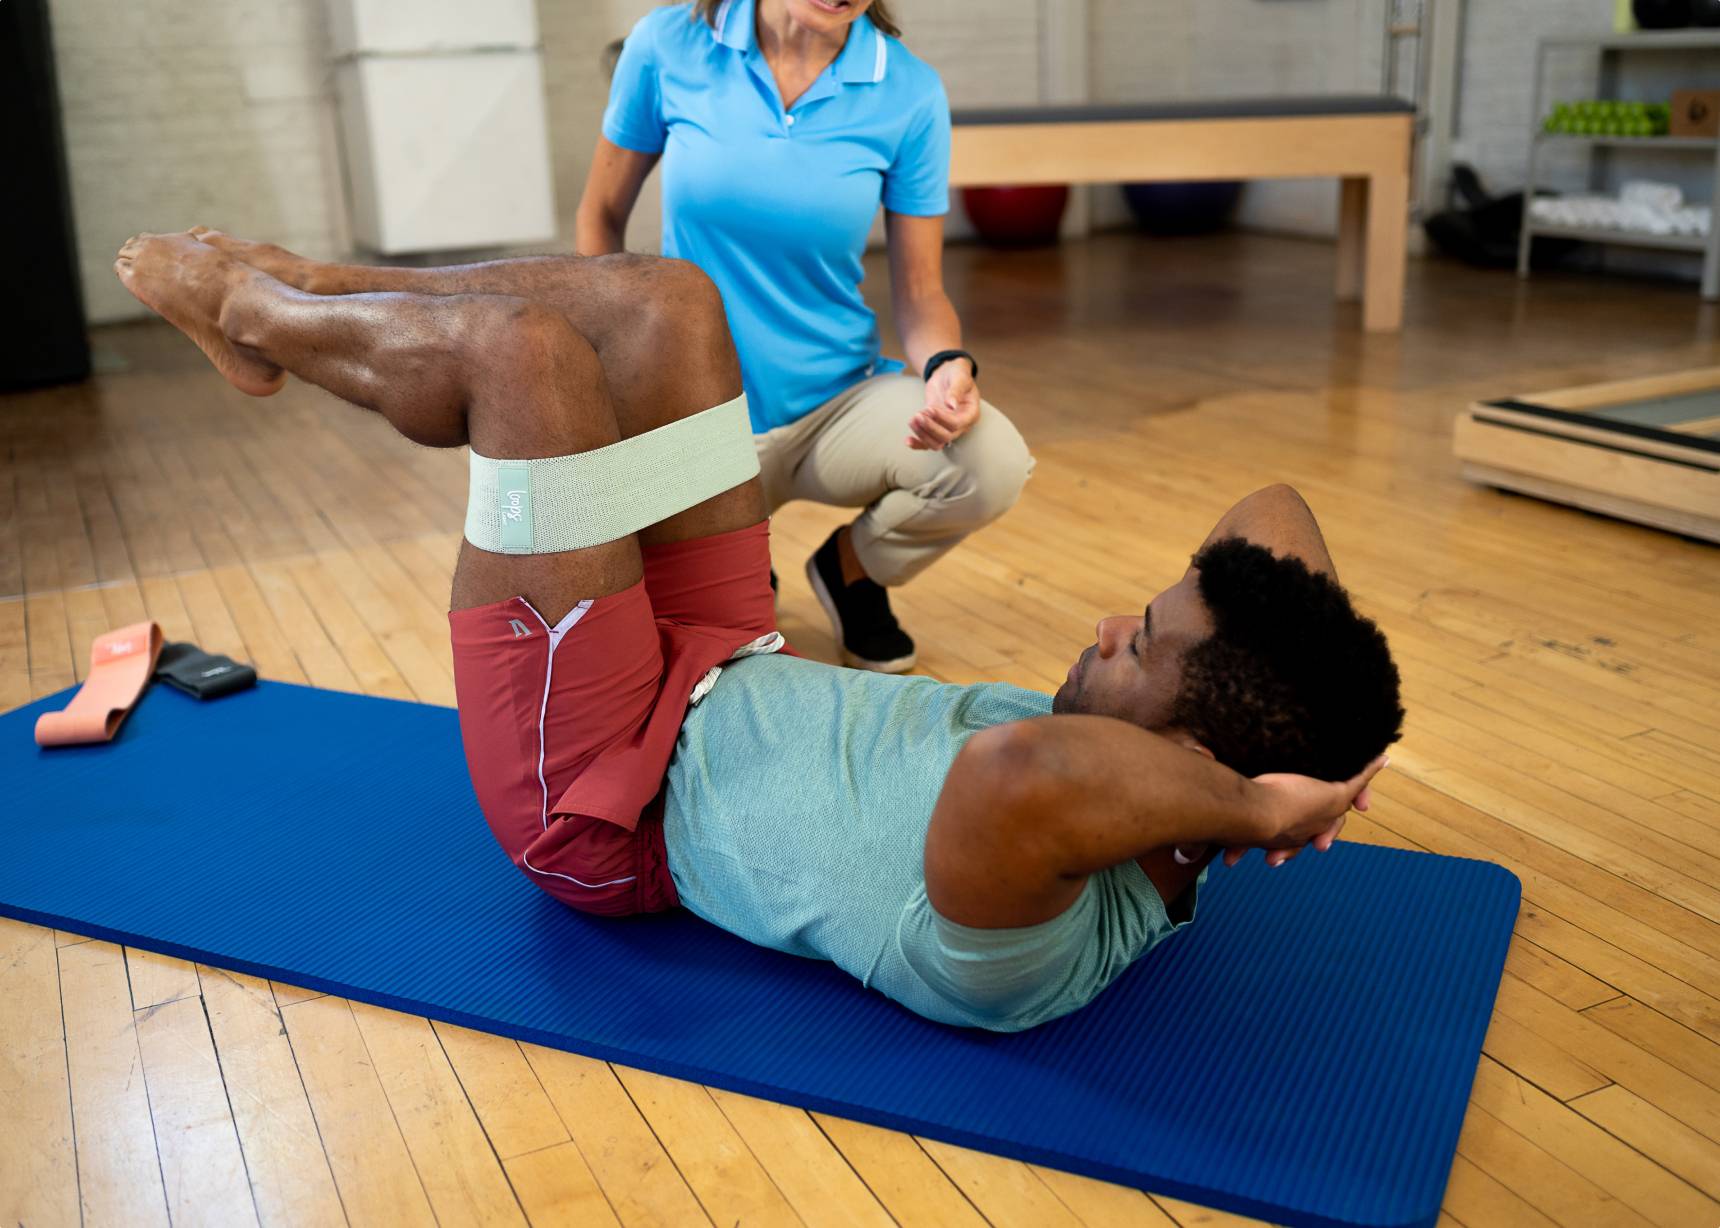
[[1215, 108]]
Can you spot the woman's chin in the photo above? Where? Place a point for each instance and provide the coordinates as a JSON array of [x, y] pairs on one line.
[[828, 17]]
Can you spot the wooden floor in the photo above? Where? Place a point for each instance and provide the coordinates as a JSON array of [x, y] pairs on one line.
[[1562, 675]]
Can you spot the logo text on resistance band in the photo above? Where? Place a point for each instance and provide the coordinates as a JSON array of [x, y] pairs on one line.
[[514, 503]]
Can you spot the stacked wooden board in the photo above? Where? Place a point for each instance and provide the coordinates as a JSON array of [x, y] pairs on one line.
[[1643, 449]]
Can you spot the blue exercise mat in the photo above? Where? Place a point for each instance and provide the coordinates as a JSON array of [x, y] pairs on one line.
[[1303, 1052]]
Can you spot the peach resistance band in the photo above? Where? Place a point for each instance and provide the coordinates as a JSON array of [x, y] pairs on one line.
[[121, 663]]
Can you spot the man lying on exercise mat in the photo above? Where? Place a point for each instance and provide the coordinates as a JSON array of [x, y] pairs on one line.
[[984, 855]]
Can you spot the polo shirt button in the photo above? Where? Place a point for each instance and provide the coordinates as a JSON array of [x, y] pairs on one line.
[[789, 120]]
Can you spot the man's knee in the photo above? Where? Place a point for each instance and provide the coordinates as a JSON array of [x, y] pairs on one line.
[[518, 336], [672, 354], [528, 358], [681, 313]]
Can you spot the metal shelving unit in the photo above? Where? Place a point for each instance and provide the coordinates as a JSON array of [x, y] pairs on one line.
[[1610, 47]]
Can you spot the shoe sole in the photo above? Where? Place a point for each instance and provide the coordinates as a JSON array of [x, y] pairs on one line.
[[899, 665]]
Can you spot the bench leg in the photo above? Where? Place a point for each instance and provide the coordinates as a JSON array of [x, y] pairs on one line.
[[1388, 225], [1352, 236]]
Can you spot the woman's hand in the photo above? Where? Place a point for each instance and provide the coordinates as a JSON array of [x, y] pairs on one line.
[[1308, 811], [952, 407]]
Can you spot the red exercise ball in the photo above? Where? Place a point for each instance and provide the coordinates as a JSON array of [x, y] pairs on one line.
[[1017, 217]]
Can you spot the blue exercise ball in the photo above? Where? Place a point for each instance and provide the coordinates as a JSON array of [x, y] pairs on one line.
[[1191, 208]]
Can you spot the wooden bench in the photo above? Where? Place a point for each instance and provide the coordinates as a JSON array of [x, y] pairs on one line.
[[1363, 142]]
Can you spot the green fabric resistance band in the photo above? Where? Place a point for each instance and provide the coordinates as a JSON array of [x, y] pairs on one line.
[[571, 502]]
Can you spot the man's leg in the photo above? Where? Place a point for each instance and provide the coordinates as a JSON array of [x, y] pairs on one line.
[[657, 327], [508, 376]]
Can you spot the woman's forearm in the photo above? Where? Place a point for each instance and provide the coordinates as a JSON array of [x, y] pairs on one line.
[[611, 190], [596, 233], [927, 323]]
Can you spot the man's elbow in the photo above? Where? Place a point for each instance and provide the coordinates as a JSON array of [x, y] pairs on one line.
[[1281, 494]]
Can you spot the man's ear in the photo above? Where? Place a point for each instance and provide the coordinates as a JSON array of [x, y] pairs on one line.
[[1188, 741]]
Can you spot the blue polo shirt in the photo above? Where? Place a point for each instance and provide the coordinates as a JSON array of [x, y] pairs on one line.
[[773, 204]]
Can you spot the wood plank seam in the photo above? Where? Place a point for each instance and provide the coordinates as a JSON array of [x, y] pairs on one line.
[[71, 1113], [226, 1092], [315, 1122], [411, 1159], [673, 1162], [488, 1141], [858, 1175], [160, 1168]]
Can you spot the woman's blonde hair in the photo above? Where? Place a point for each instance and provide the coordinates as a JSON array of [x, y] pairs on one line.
[[879, 13]]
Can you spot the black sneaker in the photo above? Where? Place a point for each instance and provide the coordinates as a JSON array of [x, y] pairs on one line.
[[860, 614]]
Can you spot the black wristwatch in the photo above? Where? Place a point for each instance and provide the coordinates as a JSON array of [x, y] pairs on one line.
[[941, 357]]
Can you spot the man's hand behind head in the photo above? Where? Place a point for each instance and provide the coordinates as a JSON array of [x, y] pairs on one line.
[[1302, 811]]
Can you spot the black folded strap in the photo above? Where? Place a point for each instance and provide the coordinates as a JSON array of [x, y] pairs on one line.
[[202, 674]]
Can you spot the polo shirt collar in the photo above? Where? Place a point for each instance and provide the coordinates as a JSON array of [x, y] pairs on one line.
[[863, 60], [864, 56]]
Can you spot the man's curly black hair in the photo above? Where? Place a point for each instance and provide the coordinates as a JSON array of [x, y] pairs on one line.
[[1292, 678]]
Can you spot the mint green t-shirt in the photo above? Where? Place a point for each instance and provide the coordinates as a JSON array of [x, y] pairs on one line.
[[797, 805]]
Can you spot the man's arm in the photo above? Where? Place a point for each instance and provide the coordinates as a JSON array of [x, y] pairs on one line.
[[1279, 519], [1031, 808]]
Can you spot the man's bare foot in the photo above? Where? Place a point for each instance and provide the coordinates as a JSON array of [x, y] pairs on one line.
[[297, 271], [186, 282]]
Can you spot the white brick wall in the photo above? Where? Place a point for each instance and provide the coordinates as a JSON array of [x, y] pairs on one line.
[[1217, 48], [186, 111], [1172, 49], [987, 51]]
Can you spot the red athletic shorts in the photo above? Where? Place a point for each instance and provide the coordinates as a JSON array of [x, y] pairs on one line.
[[569, 728]]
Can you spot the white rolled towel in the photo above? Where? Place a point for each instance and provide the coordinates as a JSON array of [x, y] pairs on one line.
[[1651, 193], [1637, 216]]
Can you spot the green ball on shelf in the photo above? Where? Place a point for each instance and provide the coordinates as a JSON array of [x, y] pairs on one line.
[[1607, 117]]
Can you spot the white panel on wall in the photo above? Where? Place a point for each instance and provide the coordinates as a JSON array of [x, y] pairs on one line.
[[390, 26], [447, 151]]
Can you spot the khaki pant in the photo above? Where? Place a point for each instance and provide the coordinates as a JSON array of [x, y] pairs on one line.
[[852, 452]]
